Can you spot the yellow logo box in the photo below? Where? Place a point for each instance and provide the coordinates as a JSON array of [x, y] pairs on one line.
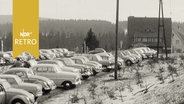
[[26, 27]]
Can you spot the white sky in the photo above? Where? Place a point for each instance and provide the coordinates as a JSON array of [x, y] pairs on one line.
[[102, 9]]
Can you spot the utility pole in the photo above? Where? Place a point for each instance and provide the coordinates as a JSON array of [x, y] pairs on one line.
[[161, 25], [116, 51]]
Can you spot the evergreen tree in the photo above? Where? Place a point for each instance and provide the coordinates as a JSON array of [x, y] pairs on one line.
[[91, 40]]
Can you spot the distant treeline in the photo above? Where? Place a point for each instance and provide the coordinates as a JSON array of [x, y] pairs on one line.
[[70, 33]]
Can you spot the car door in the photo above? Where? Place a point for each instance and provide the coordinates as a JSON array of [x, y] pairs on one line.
[[2, 95], [51, 73]]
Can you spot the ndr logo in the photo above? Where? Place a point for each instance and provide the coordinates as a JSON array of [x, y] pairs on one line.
[[25, 34]]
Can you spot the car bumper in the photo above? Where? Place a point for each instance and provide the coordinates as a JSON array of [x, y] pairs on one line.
[[78, 82]]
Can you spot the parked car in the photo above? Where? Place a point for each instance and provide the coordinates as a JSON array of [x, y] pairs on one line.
[[61, 66], [67, 53], [140, 51], [61, 78], [6, 58], [45, 56], [97, 50], [134, 54], [150, 53], [10, 95], [105, 63], [98, 66], [84, 70], [16, 82], [47, 53], [129, 60], [58, 53], [81, 61], [27, 75]]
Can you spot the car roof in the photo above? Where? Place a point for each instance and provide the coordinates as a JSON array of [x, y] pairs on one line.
[[8, 76], [18, 69], [2, 80], [53, 65], [48, 61]]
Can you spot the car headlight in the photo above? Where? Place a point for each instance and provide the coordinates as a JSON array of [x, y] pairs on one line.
[[45, 85], [30, 99]]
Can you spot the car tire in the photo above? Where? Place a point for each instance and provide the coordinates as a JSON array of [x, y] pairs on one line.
[[94, 72], [18, 101], [84, 77], [45, 91], [7, 62], [128, 63], [67, 85]]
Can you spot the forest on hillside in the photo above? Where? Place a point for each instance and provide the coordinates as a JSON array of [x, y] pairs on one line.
[[70, 33]]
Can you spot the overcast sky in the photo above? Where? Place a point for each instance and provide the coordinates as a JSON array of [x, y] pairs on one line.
[[102, 9]]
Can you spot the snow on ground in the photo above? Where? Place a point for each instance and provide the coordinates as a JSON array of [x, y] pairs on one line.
[[126, 91]]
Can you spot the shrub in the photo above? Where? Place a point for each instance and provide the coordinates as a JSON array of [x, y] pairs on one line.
[[172, 70], [91, 89], [160, 76], [111, 94], [182, 57], [138, 78]]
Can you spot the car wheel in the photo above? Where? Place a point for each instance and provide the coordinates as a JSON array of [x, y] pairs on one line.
[[94, 72], [18, 101], [85, 77], [7, 62], [67, 85], [128, 63], [45, 91]]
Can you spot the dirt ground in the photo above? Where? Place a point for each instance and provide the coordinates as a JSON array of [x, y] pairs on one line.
[[125, 90]]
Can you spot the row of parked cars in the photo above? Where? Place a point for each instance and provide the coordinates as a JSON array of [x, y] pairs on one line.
[[136, 55], [23, 85]]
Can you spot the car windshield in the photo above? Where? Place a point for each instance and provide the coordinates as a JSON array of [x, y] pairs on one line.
[[139, 51], [133, 52], [30, 72], [6, 85], [60, 64], [98, 58], [69, 62], [19, 80], [125, 53], [85, 59], [82, 60]]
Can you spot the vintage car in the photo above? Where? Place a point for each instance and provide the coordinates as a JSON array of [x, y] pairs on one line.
[[81, 61], [6, 58], [10, 95], [140, 51], [58, 53], [61, 65], [27, 75], [98, 66], [16, 82], [67, 53], [97, 50], [134, 54], [106, 64], [47, 53], [150, 53], [61, 78], [129, 60], [85, 70]]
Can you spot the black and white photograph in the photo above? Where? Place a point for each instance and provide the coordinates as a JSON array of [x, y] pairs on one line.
[[95, 52]]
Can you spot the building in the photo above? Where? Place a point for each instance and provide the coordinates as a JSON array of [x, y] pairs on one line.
[[143, 31], [177, 40]]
